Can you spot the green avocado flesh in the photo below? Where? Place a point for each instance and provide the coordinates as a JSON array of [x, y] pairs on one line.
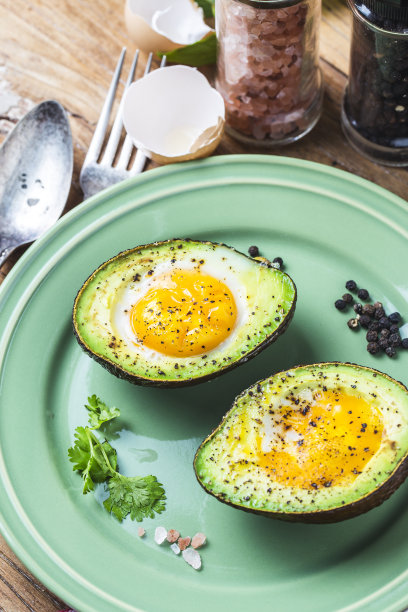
[[317, 443], [264, 299]]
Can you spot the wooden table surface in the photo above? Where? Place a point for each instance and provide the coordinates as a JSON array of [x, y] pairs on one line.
[[67, 50]]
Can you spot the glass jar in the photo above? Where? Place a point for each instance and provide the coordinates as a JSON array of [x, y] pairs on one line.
[[268, 68], [375, 104]]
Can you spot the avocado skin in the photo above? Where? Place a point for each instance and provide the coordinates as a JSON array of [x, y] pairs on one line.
[[360, 506], [342, 513], [121, 373], [116, 370]]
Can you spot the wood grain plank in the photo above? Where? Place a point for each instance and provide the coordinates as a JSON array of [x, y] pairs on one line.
[[19, 590]]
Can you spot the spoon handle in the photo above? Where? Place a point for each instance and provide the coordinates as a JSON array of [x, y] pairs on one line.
[[5, 250]]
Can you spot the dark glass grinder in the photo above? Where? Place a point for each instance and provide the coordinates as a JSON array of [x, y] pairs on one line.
[[375, 106]]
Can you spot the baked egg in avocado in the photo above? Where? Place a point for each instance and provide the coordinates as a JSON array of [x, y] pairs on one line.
[[180, 312], [317, 443]]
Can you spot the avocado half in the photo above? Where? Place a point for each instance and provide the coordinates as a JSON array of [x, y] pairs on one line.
[[316, 444], [265, 300]]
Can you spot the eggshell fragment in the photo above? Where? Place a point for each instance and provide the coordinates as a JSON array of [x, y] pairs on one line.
[[164, 25], [173, 114]]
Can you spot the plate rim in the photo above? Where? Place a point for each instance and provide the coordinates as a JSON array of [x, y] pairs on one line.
[[90, 205]]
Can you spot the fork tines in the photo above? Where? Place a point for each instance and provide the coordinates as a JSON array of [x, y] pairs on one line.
[[97, 174]]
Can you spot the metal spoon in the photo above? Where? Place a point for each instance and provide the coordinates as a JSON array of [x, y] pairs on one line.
[[36, 163]]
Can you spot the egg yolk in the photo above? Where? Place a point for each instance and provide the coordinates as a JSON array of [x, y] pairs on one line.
[[184, 313], [325, 442]]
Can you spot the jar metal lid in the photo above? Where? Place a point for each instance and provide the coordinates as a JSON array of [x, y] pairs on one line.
[[269, 4], [391, 10]]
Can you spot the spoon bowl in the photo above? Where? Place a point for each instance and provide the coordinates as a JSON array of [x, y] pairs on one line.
[[36, 162]]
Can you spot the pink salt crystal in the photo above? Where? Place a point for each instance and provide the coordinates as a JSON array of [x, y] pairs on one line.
[[141, 532], [184, 542], [198, 540], [192, 557], [172, 536]]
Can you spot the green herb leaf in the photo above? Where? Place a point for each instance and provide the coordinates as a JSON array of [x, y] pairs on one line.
[[99, 412], [141, 497], [207, 6], [94, 459], [201, 53]]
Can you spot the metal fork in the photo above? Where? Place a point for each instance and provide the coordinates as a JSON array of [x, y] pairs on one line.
[[97, 174]]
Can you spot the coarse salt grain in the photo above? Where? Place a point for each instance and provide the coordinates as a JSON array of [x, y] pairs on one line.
[[160, 535], [184, 542], [198, 540], [175, 549], [192, 557], [141, 532], [172, 535]]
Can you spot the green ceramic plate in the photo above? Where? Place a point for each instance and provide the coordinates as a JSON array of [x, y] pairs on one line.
[[328, 226]]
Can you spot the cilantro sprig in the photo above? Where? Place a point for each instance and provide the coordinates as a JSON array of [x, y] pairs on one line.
[[96, 461]]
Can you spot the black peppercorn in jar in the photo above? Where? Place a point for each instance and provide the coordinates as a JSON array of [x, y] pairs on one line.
[[268, 68], [375, 106]]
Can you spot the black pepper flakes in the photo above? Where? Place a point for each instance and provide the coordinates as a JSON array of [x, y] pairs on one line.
[[390, 351], [353, 324], [358, 308]]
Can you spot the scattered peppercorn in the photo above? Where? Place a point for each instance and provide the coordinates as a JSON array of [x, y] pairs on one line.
[[363, 294], [364, 321], [253, 251], [384, 323], [340, 304], [371, 336], [395, 340], [279, 261], [348, 298], [383, 331], [379, 312], [373, 347], [369, 310]]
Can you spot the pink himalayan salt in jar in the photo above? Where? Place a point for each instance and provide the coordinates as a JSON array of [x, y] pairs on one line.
[[268, 68]]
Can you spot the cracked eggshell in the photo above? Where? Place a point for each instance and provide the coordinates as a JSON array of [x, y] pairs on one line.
[[164, 25], [173, 114]]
